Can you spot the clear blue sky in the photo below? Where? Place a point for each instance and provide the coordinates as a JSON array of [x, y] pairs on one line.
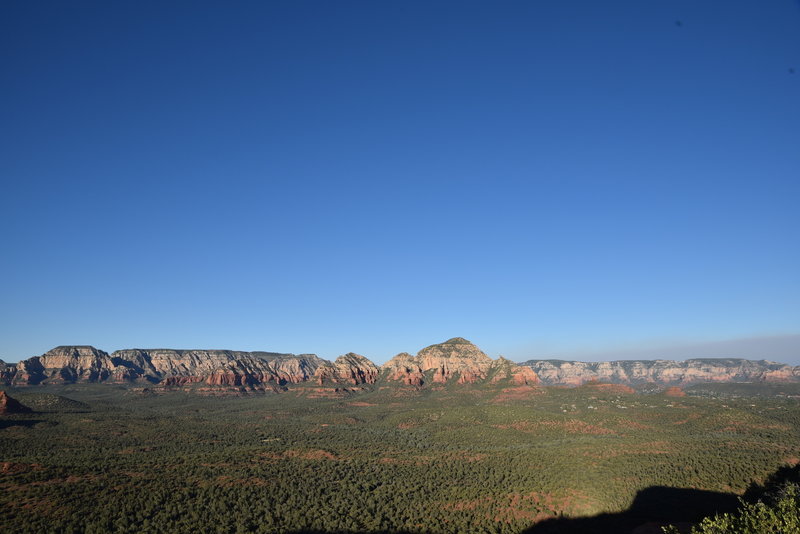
[[543, 178]]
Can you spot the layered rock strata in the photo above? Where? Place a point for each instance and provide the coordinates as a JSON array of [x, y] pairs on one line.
[[666, 372], [456, 359], [350, 368], [170, 367]]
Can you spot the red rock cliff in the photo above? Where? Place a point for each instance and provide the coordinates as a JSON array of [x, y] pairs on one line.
[[456, 359]]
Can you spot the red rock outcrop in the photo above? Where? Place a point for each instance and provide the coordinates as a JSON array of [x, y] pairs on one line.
[[349, 368], [456, 355], [404, 368], [168, 367], [223, 367], [504, 370], [66, 364], [181, 380], [455, 358], [9, 405]]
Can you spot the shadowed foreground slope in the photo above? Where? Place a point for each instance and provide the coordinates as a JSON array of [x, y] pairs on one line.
[[652, 507]]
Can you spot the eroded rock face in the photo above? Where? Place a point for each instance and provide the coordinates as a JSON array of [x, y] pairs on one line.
[[349, 368], [456, 359], [171, 367], [7, 372], [667, 372], [9, 405], [222, 367], [404, 368], [456, 355], [520, 375], [66, 364]]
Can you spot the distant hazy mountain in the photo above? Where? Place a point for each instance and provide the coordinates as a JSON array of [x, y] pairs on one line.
[[667, 372]]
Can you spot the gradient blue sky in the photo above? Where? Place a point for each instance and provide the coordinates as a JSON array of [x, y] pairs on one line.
[[544, 178]]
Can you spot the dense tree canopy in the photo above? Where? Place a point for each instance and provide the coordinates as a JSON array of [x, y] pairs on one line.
[[468, 460]]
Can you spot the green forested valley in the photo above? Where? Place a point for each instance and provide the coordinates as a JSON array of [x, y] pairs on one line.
[[101, 458]]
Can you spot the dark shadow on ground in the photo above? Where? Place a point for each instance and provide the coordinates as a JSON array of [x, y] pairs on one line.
[[353, 532], [653, 507], [773, 486], [27, 423]]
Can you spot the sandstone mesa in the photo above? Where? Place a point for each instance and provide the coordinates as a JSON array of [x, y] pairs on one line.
[[454, 361]]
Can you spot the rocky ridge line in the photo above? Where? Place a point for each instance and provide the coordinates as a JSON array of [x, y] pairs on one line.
[[453, 361], [662, 372], [170, 367]]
